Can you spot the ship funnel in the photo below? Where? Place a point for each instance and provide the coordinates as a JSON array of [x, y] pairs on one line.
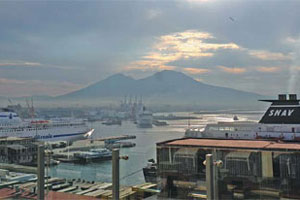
[[282, 97], [292, 96]]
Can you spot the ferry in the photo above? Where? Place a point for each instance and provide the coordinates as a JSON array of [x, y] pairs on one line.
[[63, 129], [145, 118], [280, 122], [93, 155]]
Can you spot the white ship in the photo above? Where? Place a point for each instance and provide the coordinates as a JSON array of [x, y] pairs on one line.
[[280, 122], [144, 118], [11, 125]]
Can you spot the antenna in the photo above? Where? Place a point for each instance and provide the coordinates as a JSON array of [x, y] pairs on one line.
[[9, 100], [32, 108]]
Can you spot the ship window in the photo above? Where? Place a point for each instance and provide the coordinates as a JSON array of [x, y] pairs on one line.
[[293, 130], [212, 128]]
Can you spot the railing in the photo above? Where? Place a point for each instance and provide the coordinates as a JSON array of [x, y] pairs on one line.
[[176, 167]]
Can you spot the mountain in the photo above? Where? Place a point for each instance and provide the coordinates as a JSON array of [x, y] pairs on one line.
[[165, 87]]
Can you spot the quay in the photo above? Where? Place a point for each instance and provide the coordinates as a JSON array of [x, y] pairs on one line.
[[18, 168], [116, 138], [93, 143], [66, 154]]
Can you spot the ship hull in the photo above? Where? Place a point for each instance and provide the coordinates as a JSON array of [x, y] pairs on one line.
[[150, 175], [62, 134], [257, 131]]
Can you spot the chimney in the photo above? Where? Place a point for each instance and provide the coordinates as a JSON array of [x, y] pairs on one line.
[[282, 97], [293, 96]]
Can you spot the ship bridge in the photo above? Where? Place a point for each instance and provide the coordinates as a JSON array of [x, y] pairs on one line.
[[282, 110]]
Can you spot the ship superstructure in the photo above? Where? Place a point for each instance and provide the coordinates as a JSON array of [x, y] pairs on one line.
[[144, 118], [67, 129], [280, 122]]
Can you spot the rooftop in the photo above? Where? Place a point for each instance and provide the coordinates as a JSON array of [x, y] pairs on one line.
[[237, 144]]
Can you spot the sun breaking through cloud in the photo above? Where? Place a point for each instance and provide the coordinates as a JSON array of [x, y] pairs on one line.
[[268, 69], [196, 70], [190, 44], [266, 55]]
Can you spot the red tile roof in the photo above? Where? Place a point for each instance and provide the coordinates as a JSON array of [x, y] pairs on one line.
[[291, 146], [226, 143]]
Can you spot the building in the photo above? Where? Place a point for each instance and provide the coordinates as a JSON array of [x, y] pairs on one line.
[[249, 170], [15, 150]]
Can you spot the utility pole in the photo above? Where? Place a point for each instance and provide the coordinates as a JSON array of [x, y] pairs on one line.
[[209, 177], [41, 173], [216, 164], [212, 165], [116, 173]]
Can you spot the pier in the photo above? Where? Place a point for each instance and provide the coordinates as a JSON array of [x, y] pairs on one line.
[[66, 154]]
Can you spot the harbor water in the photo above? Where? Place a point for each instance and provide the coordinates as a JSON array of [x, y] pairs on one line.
[[146, 139]]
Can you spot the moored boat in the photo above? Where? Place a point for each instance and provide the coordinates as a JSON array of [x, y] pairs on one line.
[[93, 155], [280, 122], [150, 171], [63, 129], [144, 119]]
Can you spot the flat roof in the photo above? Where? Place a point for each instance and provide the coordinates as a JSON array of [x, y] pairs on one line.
[[228, 143]]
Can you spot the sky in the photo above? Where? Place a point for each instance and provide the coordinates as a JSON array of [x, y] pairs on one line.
[[55, 47]]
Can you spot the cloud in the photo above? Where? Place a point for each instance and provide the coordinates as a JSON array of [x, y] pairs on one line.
[[268, 69], [19, 63], [190, 44], [198, 1], [234, 70], [198, 79], [293, 41], [10, 81], [153, 13], [196, 70], [266, 55], [148, 65], [17, 88]]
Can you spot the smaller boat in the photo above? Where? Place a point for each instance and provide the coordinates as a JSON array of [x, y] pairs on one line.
[[51, 162], [150, 171], [235, 118], [174, 117], [112, 122], [93, 155], [160, 123], [118, 145]]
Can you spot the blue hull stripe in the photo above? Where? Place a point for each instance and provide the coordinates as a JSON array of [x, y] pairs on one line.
[[65, 135]]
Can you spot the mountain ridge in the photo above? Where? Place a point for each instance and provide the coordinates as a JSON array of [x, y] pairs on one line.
[[164, 87]]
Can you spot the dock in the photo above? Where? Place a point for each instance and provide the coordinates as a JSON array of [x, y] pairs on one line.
[[18, 168], [66, 154]]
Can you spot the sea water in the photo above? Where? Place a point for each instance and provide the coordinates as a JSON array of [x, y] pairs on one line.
[[146, 139]]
